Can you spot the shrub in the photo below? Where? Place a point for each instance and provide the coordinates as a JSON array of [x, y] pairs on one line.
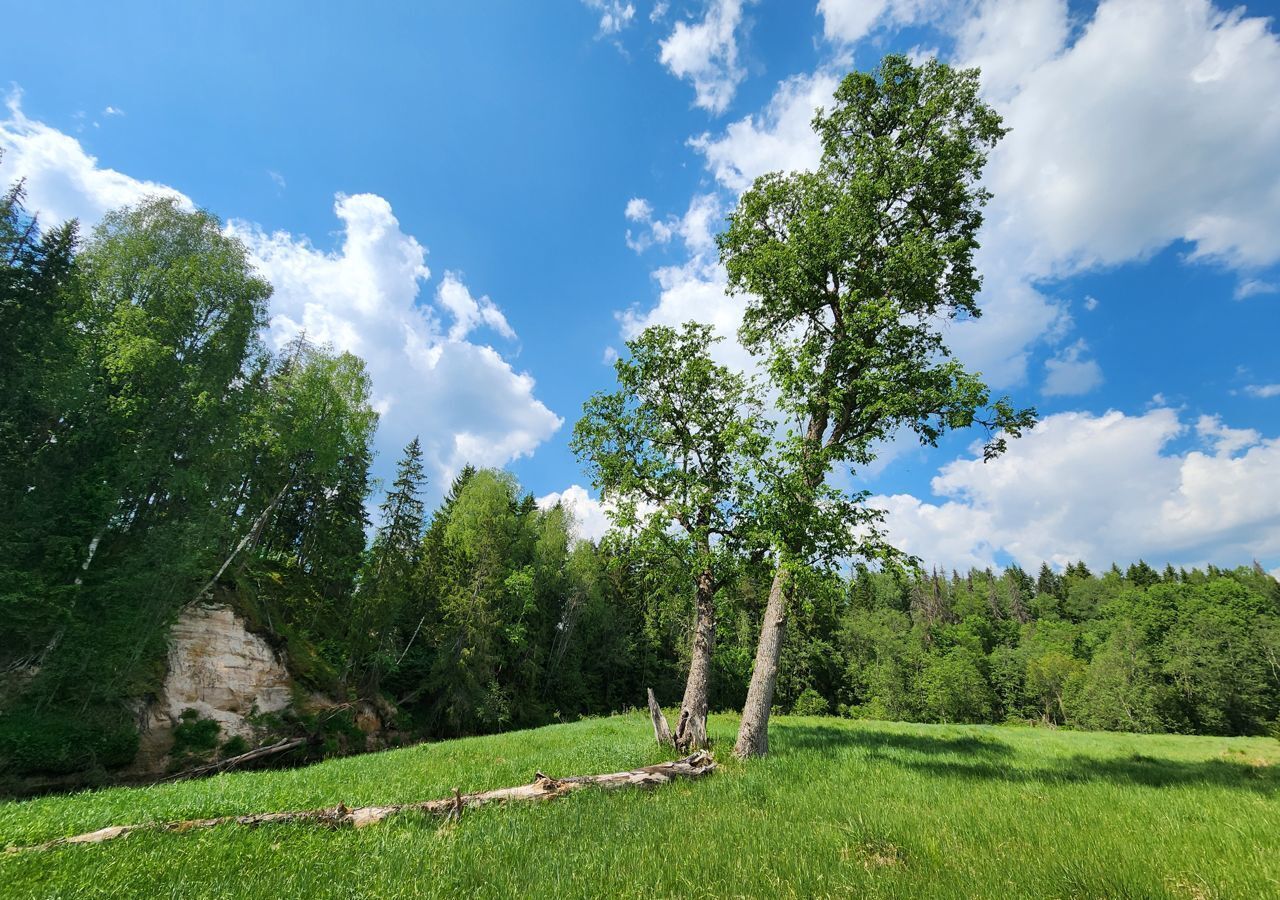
[[810, 703], [194, 735], [63, 742]]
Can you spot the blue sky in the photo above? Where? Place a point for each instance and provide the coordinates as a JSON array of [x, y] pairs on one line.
[[486, 199]]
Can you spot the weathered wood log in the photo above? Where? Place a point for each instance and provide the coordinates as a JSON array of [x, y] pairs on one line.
[[542, 788], [231, 762], [661, 731]]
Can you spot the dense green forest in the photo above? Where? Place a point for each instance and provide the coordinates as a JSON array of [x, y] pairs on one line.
[[157, 453]]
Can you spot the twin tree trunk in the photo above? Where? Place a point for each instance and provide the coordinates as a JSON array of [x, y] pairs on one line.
[[753, 732], [691, 728]]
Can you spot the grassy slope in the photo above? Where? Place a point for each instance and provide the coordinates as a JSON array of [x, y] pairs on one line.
[[869, 809]]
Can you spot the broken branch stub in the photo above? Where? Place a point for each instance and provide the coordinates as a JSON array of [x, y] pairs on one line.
[[661, 731]]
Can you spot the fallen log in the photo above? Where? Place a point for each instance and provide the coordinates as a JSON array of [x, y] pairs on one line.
[[231, 762], [542, 787]]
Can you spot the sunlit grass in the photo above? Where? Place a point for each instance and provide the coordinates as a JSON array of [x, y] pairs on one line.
[[840, 808]]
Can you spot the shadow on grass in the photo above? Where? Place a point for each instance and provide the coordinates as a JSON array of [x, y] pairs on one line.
[[824, 739], [981, 758]]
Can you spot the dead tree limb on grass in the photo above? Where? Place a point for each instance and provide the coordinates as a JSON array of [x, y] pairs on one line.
[[542, 788]]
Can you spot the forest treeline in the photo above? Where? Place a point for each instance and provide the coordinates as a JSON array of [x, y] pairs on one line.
[[155, 453]]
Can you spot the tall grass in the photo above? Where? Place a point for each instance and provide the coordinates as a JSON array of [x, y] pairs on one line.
[[839, 809]]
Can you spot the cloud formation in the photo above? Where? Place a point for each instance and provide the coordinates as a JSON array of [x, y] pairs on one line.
[[614, 15], [1101, 489], [430, 376], [590, 517], [849, 21], [465, 402], [1148, 94], [1152, 94], [63, 181], [1070, 373], [705, 52]]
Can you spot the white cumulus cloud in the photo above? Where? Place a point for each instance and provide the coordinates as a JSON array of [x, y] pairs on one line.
[[777, 139], [1158, 124], [465, 402], [469, 312], [849, 21], [706, 53], [590, 516], [430, 378], [63, 181], [1102, 489], [1145, 95]]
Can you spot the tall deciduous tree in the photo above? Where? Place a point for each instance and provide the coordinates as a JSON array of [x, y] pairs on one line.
[[850, 272], [681, 441]]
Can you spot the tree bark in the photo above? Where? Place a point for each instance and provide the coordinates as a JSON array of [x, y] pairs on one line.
[[661, 731], [753, 732], [691, 728]]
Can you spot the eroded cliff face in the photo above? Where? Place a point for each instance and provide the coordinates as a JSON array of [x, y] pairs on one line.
[[218, 668]]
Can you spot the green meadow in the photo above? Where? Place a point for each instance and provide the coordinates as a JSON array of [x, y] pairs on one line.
[[839, 808]]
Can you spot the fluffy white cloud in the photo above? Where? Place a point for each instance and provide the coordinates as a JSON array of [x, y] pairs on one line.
[[463, 399], [1152, 93], [62, 180], [695, 289], [614, 15], [590, 516], [1102, 488], [469, 312], [638, 210], [848, 21], [1263, 390], [1156, 125], [1010, 39], [706, 53], [1223, 439], [1069, 372], [696, 228], [778, 139]]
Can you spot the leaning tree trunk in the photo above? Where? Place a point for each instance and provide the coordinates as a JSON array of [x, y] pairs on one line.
[[753, 733], [691, 727]]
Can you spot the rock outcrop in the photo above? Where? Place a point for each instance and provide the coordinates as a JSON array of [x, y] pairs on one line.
[[220, 669]]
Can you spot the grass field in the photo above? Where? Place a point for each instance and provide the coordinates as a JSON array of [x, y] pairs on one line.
[[839, 809]]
